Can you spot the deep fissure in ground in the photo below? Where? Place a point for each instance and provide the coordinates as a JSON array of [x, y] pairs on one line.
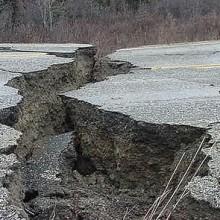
[[81, 162]]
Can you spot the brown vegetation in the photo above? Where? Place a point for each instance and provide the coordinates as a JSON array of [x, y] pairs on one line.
[[116, 25]]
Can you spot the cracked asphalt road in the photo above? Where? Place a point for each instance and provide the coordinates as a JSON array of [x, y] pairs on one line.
[[174, 84]]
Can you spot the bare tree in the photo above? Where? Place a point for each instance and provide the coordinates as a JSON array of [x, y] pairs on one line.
[[46, 11], [50, 13]]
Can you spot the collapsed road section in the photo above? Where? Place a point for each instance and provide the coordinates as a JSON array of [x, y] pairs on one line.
[[82, 138]]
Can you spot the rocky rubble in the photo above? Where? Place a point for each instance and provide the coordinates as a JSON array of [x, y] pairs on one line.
[[10, 182]]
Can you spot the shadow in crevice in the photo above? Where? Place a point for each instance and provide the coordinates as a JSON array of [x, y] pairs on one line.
[[30, 195], [9, 116], [83, 164]]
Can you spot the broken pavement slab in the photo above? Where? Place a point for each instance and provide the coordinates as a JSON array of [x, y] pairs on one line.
[[173, 95]]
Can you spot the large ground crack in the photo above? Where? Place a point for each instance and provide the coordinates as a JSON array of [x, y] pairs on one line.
[[80, 162]]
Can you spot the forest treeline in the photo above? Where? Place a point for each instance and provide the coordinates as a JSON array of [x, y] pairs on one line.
[[109, 24]]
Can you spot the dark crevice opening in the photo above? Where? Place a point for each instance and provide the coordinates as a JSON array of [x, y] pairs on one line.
[[79, 217], [30, 195], [83, 164]]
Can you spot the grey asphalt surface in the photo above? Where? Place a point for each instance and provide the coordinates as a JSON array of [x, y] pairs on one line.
[[167, 56], [46, 47], [174, 84]]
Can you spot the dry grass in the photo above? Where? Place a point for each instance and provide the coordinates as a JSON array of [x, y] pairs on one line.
[[166, 203]]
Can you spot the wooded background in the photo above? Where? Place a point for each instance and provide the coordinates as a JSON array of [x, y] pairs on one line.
[[109, 24]]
